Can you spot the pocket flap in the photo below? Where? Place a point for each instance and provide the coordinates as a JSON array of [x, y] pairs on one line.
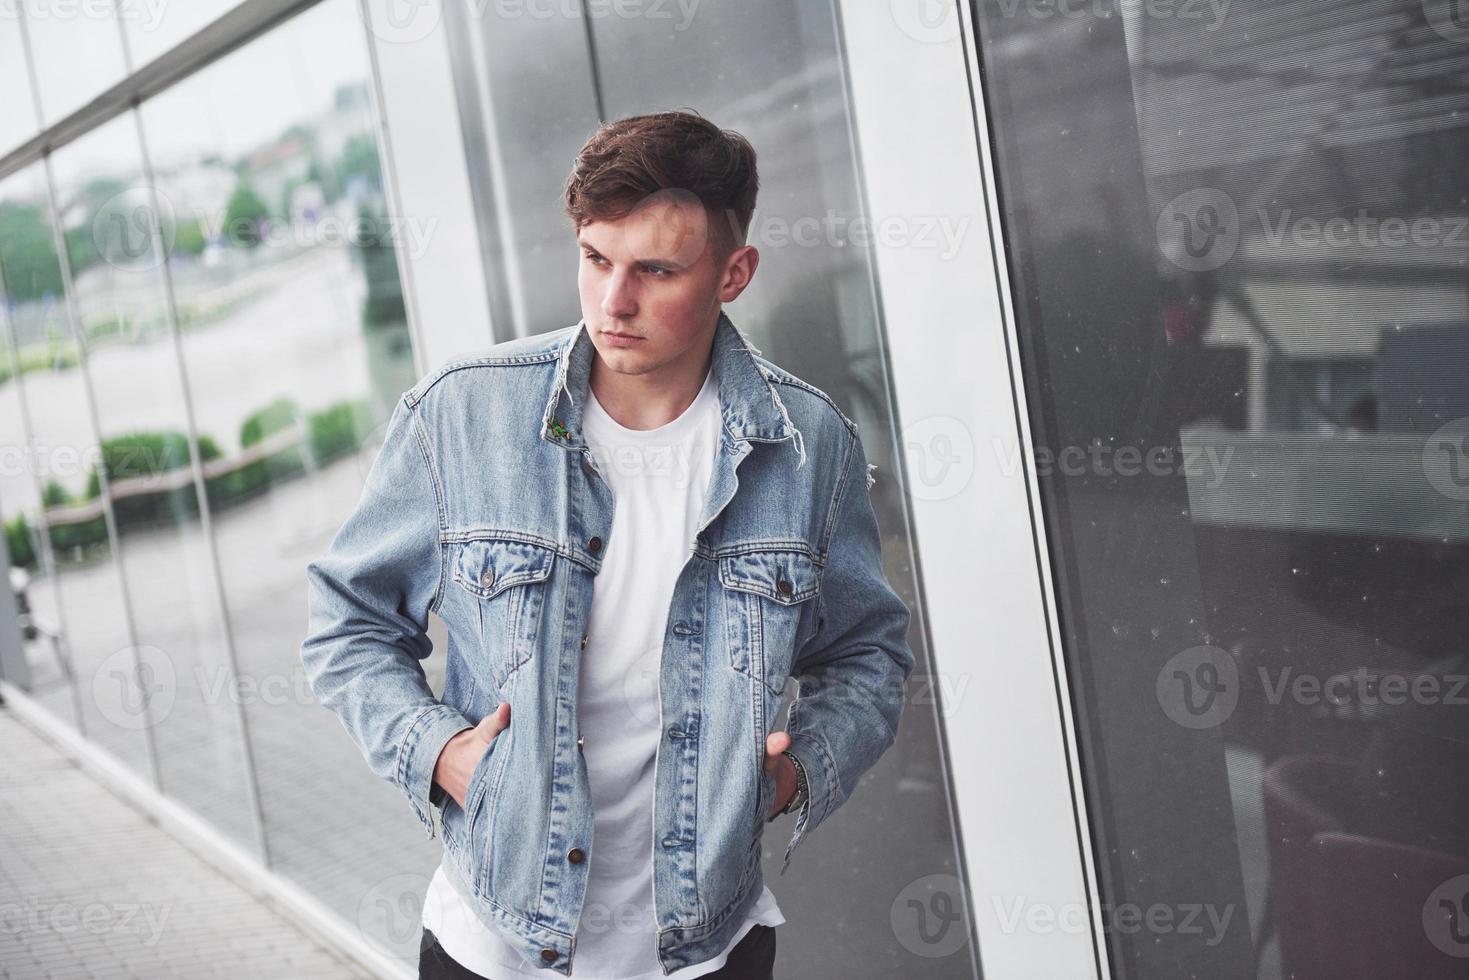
[[488, 567], [786, 577]]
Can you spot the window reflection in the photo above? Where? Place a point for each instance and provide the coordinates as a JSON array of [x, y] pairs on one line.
[[132, 365], [1260, 271], [295, 345], [81, 658]]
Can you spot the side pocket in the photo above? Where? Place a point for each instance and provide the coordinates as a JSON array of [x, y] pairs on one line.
[[458, 823]]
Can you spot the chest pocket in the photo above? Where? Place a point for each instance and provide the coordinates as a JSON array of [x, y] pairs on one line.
[[769, 611], [508, 581]]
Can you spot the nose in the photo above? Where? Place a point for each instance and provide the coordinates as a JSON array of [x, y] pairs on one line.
[[619, 301]]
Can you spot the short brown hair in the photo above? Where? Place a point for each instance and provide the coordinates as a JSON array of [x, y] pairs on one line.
[[629, 159]]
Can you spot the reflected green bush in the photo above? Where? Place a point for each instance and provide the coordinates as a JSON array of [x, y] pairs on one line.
[[330, 433], [18, 542]]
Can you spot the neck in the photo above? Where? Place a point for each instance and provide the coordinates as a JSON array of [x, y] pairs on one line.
[[651, 398]]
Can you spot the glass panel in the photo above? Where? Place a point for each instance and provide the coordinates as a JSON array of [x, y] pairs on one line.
[[1238, 248], [295, 348], [811, 310], [77, 49], [18, 121], [80, 609], [119, 295]]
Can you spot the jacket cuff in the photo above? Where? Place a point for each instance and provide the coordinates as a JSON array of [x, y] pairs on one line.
[[823, 788], [426, 739]]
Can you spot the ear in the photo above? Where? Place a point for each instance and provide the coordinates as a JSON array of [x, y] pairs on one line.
[[739, 269]]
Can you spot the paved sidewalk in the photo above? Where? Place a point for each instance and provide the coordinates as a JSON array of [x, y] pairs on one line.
[[89, 887]]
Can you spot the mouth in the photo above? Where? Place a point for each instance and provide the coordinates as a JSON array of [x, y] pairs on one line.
[[620, 336]]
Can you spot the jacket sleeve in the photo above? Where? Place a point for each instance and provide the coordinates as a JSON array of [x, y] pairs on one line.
[[851, 672], [368, 600]]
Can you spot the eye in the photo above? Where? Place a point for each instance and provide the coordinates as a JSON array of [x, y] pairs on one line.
[[593, 258], [658, 271]]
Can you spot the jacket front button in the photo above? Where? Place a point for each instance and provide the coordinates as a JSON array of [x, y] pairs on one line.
[[594, 545], [488, 578], [584, 641], [549, 955], [580, 740], [783, 587], [576, 855]]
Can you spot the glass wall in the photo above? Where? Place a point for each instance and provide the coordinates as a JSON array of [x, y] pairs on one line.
[[295, 345], [136, 387], [54, 497], [1238, 242], [811, 308], [190, 399]]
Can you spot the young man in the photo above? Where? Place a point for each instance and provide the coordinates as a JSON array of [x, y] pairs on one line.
[[635, 530]]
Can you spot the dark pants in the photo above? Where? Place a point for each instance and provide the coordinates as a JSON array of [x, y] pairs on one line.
[[753, 958]]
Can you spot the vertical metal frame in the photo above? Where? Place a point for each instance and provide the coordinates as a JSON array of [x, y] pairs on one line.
[[987, 584]]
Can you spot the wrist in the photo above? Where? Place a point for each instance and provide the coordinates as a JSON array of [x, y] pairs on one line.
[[803, 791]]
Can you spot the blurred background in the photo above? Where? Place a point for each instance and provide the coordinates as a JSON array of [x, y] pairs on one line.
[[1154, 317]]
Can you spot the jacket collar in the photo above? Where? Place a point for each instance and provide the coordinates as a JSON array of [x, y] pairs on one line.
[[748, 401]]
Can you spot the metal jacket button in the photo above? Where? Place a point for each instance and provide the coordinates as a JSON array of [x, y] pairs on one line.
[[576, 855], [488, 578], [594, 545], [783, 587], [584, 641], [549, 955]]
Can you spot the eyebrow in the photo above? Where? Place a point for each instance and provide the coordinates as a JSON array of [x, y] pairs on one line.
[[662, 263]]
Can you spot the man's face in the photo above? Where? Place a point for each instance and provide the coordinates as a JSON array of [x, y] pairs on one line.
[[653, 278]]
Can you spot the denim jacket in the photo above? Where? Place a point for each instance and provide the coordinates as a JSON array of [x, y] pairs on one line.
[[486, 507]]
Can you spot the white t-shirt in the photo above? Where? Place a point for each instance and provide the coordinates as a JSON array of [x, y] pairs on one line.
[[660, 478]]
